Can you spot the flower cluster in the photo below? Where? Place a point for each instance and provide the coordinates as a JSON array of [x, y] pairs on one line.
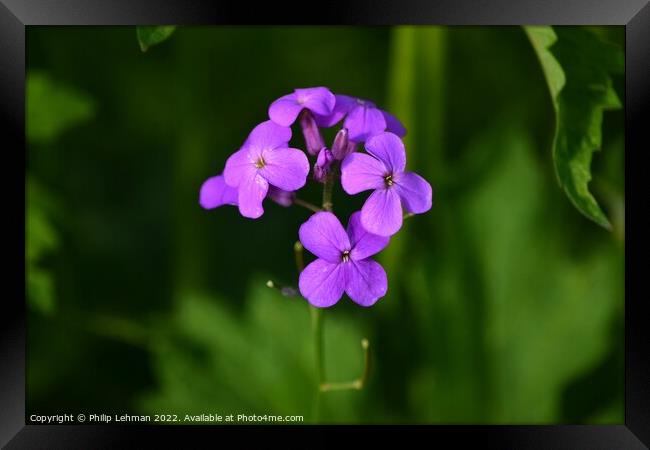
[[266, 166]]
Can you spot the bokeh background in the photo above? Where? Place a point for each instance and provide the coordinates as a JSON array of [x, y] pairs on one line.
[[505, 304]]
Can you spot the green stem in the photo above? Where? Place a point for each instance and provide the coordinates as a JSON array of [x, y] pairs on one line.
[[317, 335], [327, 192], [307, 205], [357, 384]]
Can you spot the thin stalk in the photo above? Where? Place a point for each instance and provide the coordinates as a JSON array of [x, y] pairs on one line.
[[357, 384], [305, 204], [317, 335], [327, 193]]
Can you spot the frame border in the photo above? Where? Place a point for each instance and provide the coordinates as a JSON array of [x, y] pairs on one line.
[[634, 14]]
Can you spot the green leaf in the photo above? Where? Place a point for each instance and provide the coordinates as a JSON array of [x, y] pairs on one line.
[[53, 107], [150, 36], [577, 66]]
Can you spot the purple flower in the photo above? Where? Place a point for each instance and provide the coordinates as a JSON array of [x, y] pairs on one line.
[[383, 171], [323, 165], [363, 120], [265, 158], [285, 110], [343, 264], [215, 192]]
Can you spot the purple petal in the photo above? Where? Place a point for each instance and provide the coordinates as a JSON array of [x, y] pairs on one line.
[[389, 149], [393, 124], [414, 191], [343, 106], [352, 147], [363, 122], [318, 100], [322, 283], [285, 110], [268, 135], [215, 192], [366, 281], [324, 236], [360, 172], [252, 191], [286, 168], [281, 197], [239, 165], [364, 244], [382, 213]]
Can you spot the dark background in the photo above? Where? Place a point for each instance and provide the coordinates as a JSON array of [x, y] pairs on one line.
[[505, 305]]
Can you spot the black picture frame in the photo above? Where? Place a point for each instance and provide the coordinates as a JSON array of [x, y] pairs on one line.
[[15, 15]]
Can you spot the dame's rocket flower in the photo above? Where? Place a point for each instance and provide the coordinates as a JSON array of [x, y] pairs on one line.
[[362, 118], [318, 100], [265, 159], [215, 192], [343, 264], [383, 170]]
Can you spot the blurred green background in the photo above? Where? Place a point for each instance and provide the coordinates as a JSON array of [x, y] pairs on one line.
[[505, 304]]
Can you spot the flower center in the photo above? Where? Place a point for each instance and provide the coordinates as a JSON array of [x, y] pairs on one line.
[[260, 163], [388, 179], [346, 256]]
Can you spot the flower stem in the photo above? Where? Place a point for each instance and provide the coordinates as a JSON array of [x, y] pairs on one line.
[[297, 253], [306, 204], [317, 334], [357, 384], [327, 192]]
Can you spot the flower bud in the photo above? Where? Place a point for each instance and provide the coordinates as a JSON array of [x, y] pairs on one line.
[[313, 139], [323, 164], [340, 145]]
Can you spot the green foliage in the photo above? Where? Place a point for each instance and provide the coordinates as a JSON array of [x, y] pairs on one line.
[[150, 36], [53, 107], [533, 346], [578, 68], [211, 359], [41, 240]]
